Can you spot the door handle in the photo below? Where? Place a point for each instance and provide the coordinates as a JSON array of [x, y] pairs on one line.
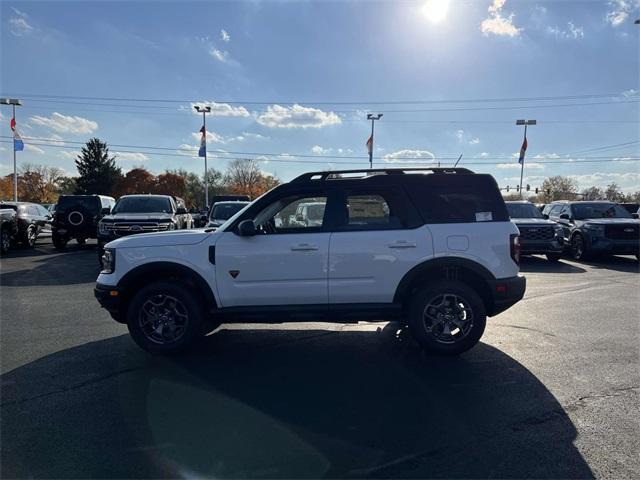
[[402, 244], [301, 247]]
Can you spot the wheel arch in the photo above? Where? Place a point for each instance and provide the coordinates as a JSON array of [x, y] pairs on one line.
[[447, 268], [166, 270]]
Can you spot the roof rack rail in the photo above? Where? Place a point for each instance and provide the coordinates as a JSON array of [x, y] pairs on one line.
[[327, 174]]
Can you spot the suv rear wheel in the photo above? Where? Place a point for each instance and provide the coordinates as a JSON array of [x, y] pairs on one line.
[[5, 241], [30, 236], [165, 318], [447, 318]]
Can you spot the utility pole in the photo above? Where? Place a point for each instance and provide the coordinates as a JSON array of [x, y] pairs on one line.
[[13, 102], [204, 110], [523, 149], [373, 118]]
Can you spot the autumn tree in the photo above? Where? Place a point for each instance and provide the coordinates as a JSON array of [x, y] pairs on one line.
[[98, 171], [170, 184], [194, 186], [244, 177], [38, 183], [6, 187], [558, 188], [137, 180]]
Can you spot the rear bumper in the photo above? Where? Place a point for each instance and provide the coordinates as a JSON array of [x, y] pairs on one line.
[[506, 293], [109, 298]]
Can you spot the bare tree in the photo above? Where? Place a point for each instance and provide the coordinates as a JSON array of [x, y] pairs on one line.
[[244, 177]]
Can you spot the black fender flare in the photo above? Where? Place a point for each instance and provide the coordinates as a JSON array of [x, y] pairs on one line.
[[448, 264]]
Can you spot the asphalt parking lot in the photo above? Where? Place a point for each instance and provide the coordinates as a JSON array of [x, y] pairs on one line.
[[550, 392]]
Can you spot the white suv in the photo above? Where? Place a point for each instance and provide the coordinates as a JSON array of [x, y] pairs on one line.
[[433, 248]]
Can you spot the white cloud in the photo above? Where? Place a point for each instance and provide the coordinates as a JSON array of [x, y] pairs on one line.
[[218, 54], [462, 138], [212, 137], [221, 109], [628, 181], [33, 148], [297, 116], [410, 156], [224, 36], [53, 139], [255, 136], [69, 154], [484, 154], [540, 156], [474, 141], [619, 11], [572, 32], [531, 165], [460, 135], [632, 92], [318, 150], [496, 24], [66, 124], [19, 25], [131, 157]]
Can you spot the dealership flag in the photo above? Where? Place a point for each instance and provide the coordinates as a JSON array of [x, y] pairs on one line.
[[523, 149], [203, 143], [18, 144], [369, 145]]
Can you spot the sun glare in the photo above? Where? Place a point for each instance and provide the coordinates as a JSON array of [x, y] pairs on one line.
[[435, 10]]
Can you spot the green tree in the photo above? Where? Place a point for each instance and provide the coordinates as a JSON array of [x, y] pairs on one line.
[[558, 188], [98, 172], [67, 186]]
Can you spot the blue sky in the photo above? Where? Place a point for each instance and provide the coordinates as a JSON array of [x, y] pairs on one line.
[[306, 64]]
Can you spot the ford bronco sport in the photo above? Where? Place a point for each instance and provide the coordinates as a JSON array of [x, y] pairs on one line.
[[438, 252]]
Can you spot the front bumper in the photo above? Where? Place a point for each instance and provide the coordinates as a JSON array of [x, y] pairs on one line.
[[506, 292], [110, 298], [603, 245], [530, 248]]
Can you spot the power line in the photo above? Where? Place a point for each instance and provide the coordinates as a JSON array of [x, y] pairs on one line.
[[44, 141], [324, 102], [225, 156]]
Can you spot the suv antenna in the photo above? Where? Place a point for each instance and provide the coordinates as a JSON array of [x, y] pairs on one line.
[[456, 164]]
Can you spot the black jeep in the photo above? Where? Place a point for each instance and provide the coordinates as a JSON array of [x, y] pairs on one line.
[[8, 228], [77, 216]]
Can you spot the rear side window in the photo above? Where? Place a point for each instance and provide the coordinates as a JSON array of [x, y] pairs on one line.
[[377, 208], [458, 199], [555, 210]]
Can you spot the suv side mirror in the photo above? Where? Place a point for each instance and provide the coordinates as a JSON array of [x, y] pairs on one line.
[[545, 216], [181, 211], [105, 211], [247, 228], [565, 216]]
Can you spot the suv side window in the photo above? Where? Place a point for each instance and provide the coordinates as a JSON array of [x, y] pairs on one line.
[[555, 210], [384, 208], [293, 214], [33, 211]]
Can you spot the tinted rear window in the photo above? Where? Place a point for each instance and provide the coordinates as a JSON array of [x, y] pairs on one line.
[[458, 199], [90, 203]]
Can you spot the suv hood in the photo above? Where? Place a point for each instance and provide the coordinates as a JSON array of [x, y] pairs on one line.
[[611, 221], [161, 239], [532, 221], [137, 217]]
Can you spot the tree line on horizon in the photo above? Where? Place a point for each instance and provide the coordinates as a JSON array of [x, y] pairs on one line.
[[99, 174]]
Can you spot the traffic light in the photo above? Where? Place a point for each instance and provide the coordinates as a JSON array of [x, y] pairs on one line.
[[536, 190], [517, 188], [528, 187], [507, 188]]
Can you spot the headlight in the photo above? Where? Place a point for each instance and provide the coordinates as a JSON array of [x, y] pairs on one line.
[[109, 260], [596, 229], [558, 229]]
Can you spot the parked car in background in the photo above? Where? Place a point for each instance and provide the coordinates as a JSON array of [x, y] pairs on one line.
[[185, 220], [8, 228], [597, 227], [632, 208], [199, 217], [77, 216], [134, 214], [537, 234], [31, 218], [222, 211], [436, 250]]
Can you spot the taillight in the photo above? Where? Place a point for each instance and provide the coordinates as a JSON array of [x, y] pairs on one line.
[[514, 241]]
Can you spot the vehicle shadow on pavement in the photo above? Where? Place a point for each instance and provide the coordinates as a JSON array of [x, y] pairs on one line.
[[283, 403], [55, 269], [618, 263], [542, 265]]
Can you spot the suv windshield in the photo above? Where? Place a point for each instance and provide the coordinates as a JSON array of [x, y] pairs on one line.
[[142, 205], [523, 210], [225, 211], [599, 210]]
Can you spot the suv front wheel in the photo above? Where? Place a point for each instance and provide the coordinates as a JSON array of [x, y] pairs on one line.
[[165, 318], [447, 318]]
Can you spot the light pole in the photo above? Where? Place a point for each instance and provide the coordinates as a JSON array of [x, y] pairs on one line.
[[13, 102], [373, 118], [204, 110], [523, 149]]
